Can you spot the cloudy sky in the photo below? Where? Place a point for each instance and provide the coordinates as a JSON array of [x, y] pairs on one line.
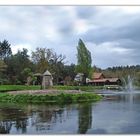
[[111, 33]]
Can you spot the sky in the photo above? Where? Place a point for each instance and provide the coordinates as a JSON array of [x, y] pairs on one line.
[[110, 33]]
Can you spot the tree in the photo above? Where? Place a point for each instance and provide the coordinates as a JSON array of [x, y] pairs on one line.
[[68, 74], [56, 67], [27, 74], [16, 64], [84, 60], [41, 58], [45, 58], [3, 66], [5, 50]]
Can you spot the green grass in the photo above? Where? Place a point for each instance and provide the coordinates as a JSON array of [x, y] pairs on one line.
[[82, 88], [4, 88], [48, 98]]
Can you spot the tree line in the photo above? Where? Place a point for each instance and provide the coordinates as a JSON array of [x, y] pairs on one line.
[[16, 68]]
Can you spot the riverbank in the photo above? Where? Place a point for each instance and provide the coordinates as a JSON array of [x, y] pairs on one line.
[[49, 98]]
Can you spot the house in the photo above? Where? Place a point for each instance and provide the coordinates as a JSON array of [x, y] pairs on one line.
[[98, 79], [79, 77]]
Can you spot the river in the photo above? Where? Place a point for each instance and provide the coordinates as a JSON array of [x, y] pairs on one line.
[[119, 115]]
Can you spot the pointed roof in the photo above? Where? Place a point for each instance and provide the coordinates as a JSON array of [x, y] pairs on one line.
[[97, 75], [47, 73]]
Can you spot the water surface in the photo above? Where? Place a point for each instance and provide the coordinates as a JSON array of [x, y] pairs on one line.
[[120, 115]]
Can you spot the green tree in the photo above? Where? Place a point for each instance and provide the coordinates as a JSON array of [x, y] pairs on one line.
[[3, 66], [28, 76], [41, 58], [5, 50], [69, 70], [84, 60], [56, 67], [16, 64], [45, 59]]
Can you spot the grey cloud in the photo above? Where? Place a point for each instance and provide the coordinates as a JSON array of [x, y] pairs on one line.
[[65, 27], [86, 12], [113, 26], [29, 25], [111, 33]]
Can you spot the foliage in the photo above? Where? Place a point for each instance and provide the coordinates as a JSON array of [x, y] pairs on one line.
[[16, 64], [3, 66], [56, 67], [5, 50], [47, 59], [40, 57], [28, 75], [15, 69], [69, 70], [84, 60], [49, 99]]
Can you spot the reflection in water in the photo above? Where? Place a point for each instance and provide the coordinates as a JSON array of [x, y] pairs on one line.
[[46, 117], [85, 118], [12, 116], [114, 116], [21, 124], [5, 127]]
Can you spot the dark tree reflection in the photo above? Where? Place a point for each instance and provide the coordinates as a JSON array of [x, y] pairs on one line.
[[85, 118], [21, 124], [47, 117], [5, 127], [12, 116]]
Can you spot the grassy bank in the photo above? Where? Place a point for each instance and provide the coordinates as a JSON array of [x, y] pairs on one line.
[[48, 98], [82, 88], [5, 88]]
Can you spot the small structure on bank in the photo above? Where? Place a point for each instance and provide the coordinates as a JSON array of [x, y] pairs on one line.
[[47, 79]]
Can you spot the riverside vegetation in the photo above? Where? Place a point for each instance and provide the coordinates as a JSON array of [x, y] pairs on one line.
[[62, 98], [78, 94]]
